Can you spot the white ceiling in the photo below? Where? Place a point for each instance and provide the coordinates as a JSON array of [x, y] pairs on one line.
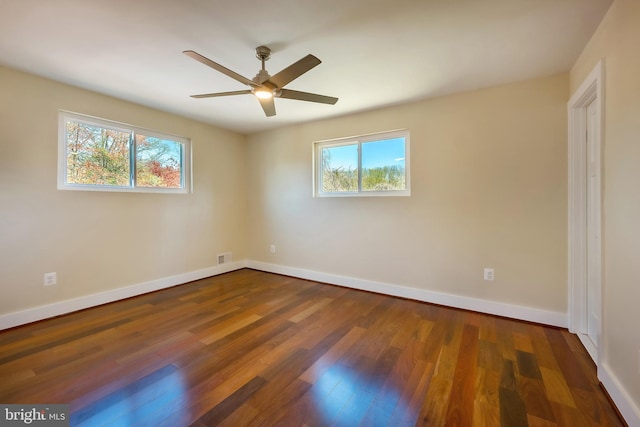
[[374, 52]]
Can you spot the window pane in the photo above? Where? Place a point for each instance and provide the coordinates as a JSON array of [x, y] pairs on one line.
[[97, 155], [340, 168], [158, 162], [383, 165]]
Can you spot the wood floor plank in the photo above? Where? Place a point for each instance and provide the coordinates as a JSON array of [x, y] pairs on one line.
[[488, 329], [504, 338], [489, 356], [460, 409], [438, 396], [232, 402], [571, 371], [118, 404], [485, 414], [557, 388], [355, 409], [232, 326], [588, 404], [538, 422], [512, 409], [567, 416], [487, 387], [389, 396], [522, 342], [377, 371], [327, 397], [29, 350], [508, 377], [407, 411], [249, 348], [278, 404], [527, 365], [407, 330], [243, 416], [544, 353], [310, 310], [321, 365], [534, 395]]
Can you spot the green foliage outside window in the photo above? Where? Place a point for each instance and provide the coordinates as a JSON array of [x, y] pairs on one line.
[[98, 155], [383, 178], [376, 165], [158, 162], [337, 178]]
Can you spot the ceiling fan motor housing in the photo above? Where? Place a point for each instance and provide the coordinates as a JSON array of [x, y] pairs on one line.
[[262, 76]]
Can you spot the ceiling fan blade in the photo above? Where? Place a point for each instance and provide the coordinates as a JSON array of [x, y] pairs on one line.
[[224, 70], [213, 95], [294, 71], [306, 96], [268, 106]]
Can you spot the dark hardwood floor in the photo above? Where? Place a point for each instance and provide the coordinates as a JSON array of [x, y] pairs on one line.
[[249, 348]]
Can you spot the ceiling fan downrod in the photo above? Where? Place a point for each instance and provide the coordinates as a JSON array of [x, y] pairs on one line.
[[263, 53]]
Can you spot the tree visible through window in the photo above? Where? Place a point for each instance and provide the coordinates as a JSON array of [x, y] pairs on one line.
[[368, 165], [340, 168], [101, 155], [97, 155], [158, 162]]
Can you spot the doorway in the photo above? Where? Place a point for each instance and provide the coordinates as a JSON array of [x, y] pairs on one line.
[[585, 110]]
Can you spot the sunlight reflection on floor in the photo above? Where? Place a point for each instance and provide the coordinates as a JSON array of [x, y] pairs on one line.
[[157, 399], [344, 393]]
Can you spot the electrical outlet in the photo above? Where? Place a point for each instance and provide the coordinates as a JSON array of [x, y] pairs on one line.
[[273, 249], [488, 274], [50, 279]]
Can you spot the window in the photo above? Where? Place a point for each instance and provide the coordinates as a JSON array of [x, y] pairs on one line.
[[96, 154], [370, 165]]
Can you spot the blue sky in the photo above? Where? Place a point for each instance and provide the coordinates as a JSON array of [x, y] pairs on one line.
[[166, 149], [388, 152]]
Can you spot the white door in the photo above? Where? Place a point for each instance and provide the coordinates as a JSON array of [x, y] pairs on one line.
[[592, 293], [585, 110]]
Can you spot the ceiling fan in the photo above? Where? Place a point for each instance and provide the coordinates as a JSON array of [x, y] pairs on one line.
[[264, 86]]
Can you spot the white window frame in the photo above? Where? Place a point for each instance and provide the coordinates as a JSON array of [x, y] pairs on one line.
[[185, 160], [359, 140]]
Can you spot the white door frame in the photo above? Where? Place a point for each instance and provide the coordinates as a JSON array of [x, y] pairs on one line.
[[591, 90]]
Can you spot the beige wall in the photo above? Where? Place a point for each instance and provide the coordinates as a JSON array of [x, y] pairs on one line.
[[617, 41], [98, 241], [488, 173]]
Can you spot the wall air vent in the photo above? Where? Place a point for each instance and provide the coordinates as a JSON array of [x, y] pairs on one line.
[[224, 258]]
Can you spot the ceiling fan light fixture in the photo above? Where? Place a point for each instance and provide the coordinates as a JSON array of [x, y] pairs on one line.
[[263, 93]]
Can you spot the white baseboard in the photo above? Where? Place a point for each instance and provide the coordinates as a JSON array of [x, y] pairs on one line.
[[528, 314], [629, 411], [63, 307], [484, 306]]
